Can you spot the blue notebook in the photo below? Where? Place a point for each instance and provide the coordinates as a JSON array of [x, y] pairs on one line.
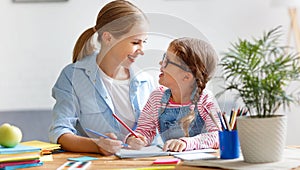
[[22, 166], [18, 149]]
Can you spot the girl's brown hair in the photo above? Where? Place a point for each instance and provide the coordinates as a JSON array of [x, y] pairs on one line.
[[202, 60], [116, 17]]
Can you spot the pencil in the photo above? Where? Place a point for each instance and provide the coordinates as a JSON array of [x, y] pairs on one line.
[[231, 113], [221, 120], [226, 122], [128, 128], [214, 120], [96, 133], [232, 123], [245, 112], [104, 136], [240, 112]]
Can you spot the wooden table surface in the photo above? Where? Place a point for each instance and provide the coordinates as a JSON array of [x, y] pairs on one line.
[[113, 162], [108, 162]]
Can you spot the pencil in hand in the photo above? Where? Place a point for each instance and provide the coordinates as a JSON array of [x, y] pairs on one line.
[[104, 136], [123, 123]]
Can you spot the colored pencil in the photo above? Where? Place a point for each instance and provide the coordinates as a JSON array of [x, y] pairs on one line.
[[104, 136], [123, 123]]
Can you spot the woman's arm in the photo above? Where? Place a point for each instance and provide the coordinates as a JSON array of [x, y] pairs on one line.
[[74, 143], [66, 106]]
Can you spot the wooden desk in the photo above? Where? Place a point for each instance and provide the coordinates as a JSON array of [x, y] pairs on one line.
[[113, 162], [107, 162]]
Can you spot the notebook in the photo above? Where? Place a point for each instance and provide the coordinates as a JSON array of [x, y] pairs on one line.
[[166, 161], [19, 157], [47, 148], [19, 149], [41, 144], [155, 150], [22, 166], [6, 164], [19, 153]]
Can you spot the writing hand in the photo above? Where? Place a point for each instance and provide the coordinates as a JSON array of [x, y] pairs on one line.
[[137, 143], [108, 146], [175, 145]]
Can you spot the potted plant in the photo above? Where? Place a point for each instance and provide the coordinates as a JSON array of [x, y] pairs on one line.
[[259, 71]]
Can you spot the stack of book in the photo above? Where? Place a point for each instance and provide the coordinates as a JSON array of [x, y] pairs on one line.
[[46, 148], [20, 156]]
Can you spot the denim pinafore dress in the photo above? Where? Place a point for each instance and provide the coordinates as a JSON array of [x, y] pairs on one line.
[[169, 120]]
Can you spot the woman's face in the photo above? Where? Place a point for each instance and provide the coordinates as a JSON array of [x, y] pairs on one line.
[[127, 48], [171, 70]]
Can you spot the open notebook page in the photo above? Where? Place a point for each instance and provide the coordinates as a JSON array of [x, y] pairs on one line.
[[154, 150]]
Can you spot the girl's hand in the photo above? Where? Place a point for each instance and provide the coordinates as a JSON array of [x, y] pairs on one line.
[[175, 145], [108, 146], [136, 143]]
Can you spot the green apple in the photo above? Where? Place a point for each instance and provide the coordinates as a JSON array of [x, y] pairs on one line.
[[10, 135]]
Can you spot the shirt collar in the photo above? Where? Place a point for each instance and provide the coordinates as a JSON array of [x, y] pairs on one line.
[[87, 62]]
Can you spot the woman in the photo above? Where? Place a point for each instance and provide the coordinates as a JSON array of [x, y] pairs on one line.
[[101, 82], [181, 111]]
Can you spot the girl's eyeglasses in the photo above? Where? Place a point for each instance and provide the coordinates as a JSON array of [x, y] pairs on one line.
[[165, 61]]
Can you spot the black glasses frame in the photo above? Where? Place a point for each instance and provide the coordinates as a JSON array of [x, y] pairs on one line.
[[165, 61]]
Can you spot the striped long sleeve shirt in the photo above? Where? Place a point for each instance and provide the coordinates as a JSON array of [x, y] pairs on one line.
[[148, 120]]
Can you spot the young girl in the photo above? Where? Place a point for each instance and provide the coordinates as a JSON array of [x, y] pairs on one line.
[[102, 81], [181, 111]]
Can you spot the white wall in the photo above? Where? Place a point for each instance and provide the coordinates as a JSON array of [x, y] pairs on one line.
[[36, 40]]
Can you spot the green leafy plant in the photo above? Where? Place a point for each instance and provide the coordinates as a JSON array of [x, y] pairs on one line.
[[259, 71]]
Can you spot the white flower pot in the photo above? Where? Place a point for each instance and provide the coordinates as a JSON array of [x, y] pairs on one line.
[[262, 139]]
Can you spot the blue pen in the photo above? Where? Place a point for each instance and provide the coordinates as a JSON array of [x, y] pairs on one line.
[[104, 136]]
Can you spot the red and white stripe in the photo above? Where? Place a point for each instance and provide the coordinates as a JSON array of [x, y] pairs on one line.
[[148, 120]]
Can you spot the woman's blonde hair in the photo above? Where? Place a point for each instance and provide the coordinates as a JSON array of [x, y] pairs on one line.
[[202, 60], [117, 17]]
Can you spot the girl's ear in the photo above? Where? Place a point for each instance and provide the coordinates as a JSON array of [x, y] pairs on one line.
[[188, 76]]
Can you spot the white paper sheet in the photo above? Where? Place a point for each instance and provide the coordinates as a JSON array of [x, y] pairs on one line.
[[291, 159]]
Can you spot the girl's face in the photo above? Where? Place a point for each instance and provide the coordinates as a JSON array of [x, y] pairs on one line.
[[126, 49], [172, 71]]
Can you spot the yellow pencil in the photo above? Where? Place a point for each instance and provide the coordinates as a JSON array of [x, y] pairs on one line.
[[233, 120], [226, 122]]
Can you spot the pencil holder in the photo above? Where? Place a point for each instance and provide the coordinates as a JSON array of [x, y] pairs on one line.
[[229, 144]]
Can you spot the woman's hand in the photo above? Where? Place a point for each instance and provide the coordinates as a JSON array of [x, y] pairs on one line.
[[175, 145], [108, 146], [136, 143]]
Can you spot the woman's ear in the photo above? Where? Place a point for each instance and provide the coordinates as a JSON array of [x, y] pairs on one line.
[[106, 38]]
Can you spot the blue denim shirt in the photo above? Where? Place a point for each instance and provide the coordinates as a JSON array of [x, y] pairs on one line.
[[81, 98]]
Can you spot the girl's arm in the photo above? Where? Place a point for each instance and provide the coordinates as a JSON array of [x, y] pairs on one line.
[[148, 120], [210, 139]]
